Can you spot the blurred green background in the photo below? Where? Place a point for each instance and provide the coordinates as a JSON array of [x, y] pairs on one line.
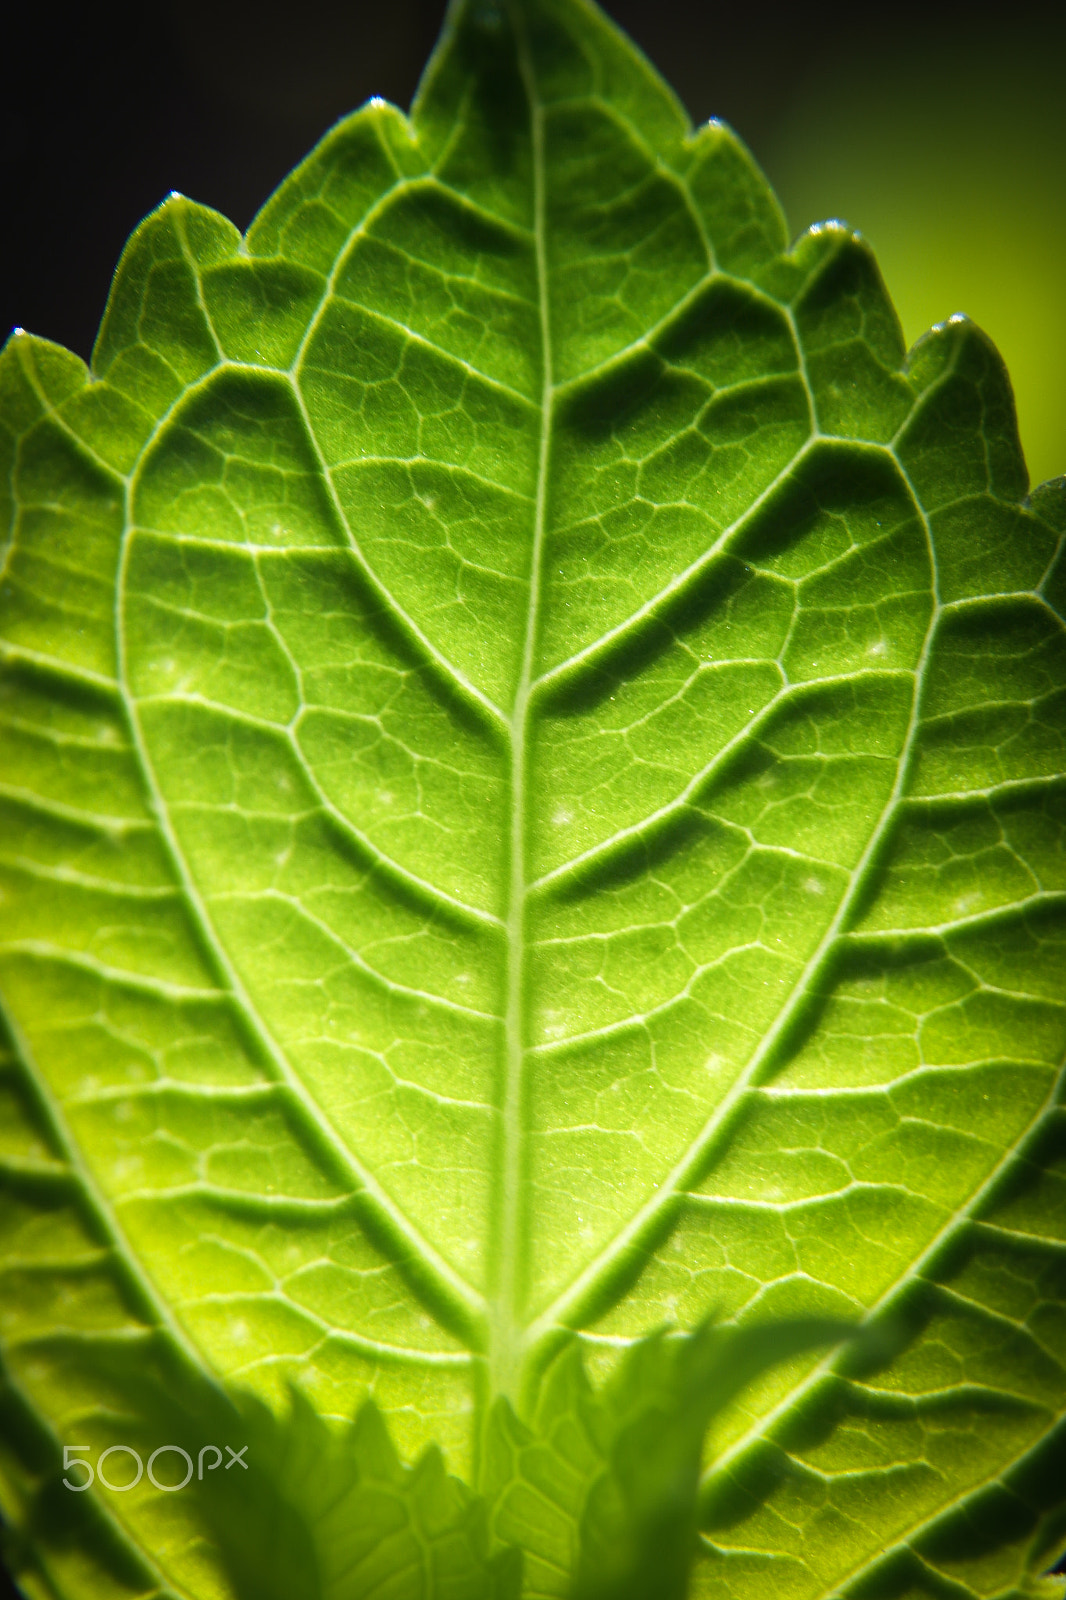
[[937, 129], [952, 161]]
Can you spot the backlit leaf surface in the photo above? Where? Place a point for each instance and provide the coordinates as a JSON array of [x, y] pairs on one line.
[[531, 801]]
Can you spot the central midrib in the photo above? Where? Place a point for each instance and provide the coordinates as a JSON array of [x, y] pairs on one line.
[[505, 1334]]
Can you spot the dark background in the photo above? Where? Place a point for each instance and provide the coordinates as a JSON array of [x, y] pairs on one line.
[[220, 98], [938, 128], [106, 110]]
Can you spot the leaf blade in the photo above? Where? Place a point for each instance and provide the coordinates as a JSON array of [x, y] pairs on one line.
[[564, 831]]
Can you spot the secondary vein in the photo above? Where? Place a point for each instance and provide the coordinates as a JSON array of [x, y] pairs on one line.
[[573, 1302], [451, 1288]]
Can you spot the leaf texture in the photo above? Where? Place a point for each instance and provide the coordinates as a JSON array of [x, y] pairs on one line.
[[605, 1485], [532, 805]]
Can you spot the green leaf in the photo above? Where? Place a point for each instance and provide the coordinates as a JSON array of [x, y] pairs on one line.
[[285, 1504], [533, 810], [606, 1485]]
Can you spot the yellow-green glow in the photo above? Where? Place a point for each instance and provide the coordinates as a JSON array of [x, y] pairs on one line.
[[952, 165]]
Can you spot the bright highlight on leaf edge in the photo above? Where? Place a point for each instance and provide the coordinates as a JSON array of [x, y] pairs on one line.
[[533, 815]]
